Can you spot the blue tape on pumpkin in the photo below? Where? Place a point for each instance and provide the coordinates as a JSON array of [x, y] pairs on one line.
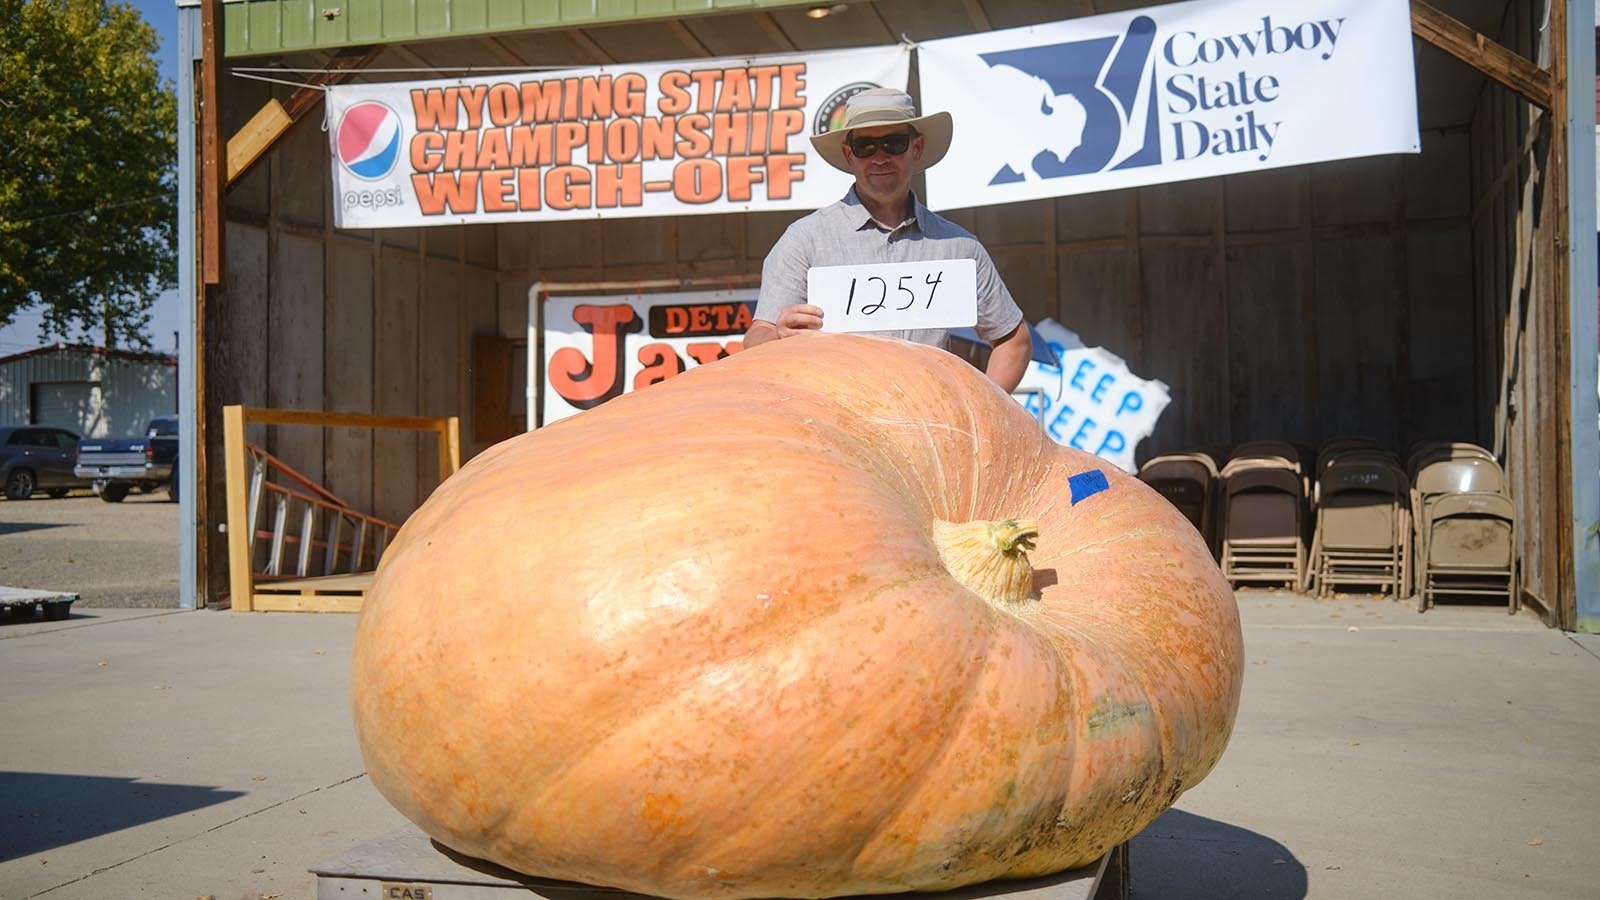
[[1087, 484]]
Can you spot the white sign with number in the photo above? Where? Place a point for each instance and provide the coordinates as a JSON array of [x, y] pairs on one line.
[[903, 296]]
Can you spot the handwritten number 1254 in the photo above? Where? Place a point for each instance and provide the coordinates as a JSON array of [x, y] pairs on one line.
[[867, 309]]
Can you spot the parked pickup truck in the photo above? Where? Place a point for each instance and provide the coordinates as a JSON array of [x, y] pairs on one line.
[[116, 467]]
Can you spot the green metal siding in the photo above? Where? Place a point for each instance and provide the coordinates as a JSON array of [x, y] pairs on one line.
[[264, 27]]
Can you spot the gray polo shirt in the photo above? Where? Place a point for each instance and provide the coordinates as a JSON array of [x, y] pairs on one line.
[[844, 234]]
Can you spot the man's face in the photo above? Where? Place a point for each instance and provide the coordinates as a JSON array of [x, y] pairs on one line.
[[883, 176]]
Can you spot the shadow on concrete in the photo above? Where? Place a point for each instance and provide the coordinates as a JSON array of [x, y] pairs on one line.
[[40, 811], [1182, 856], [23, 527]]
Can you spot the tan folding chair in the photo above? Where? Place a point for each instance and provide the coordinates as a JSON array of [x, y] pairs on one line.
[[1263, 526], [1425, 452], [1443, 477], [1189, 482], [1258, 452], [1362, 534], [1335, 445], [1470, 548]]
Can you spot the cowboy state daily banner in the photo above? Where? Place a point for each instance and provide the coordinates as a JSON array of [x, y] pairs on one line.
[[1169, 93], [658, 139]]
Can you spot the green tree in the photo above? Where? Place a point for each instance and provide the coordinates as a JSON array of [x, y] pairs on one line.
[[88, 157]]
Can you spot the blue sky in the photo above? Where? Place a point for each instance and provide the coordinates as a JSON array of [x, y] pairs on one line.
[[23, 334]]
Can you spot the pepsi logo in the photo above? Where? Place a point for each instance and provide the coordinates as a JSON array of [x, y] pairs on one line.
[[368, 140]]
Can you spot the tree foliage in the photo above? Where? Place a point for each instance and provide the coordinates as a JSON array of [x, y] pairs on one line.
[[88, 218]]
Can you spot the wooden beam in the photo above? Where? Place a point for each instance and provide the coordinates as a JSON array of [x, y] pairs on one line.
[[768, 24], [1492, 59], [590, 45], [240, 579], [344, 65], [273, 120], [689, 40], [1560, 335], [976, 13], [213, 176], [501, 52], [258, 134]]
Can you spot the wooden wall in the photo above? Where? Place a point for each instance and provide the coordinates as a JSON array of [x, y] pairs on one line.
[[1514, 257], [1295, 304], [311, 317]]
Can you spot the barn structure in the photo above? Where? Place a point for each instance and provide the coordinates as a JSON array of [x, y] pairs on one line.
[[1447, 294], [91, 391]]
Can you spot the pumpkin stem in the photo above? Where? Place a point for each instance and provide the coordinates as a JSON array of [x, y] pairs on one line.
[[990, 558]]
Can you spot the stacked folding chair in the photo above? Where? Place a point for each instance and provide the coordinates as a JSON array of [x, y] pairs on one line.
[[1333, 447], [1263, 514], [1362, 528], [1465, 525], [1189, 482]]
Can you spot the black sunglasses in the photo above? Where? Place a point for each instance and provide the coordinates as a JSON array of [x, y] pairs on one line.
[[867, 147]]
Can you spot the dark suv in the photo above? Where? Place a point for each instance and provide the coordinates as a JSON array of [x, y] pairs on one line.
[[37, 458]]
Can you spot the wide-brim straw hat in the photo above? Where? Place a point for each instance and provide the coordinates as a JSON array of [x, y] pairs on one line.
[[886, 106]]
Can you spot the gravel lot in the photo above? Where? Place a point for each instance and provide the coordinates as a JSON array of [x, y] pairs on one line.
[[109, 554]]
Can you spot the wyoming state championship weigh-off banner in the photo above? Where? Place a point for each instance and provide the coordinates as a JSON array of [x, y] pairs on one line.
[[1169, 93], [663, 139]]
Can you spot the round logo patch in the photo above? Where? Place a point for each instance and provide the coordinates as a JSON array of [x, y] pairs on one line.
[[368, 140], [830, 115]]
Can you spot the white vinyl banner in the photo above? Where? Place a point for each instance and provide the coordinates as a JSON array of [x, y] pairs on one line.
[[1169, 93], [662, 139], [600, 347]]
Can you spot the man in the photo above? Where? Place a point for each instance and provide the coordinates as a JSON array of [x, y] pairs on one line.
[[884, 143]]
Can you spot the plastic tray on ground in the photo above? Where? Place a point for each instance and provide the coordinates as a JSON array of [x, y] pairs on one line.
[[22, 603]]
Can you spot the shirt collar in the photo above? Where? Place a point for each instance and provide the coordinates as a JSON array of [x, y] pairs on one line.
[[865, 219]]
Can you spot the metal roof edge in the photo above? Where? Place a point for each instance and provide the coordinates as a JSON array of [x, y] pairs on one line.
[[92, 350], [268, 27]]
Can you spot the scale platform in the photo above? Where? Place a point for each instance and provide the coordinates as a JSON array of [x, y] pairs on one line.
[[407, 865]]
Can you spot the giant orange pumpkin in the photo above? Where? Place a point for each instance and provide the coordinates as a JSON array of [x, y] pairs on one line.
[[767, 629]]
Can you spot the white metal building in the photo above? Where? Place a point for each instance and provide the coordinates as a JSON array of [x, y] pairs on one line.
[[90, 390]]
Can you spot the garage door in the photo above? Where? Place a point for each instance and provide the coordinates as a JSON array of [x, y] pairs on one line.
[[74, 405]]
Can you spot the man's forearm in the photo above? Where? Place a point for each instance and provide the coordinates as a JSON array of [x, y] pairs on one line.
[[1008, 360], [759, 332]]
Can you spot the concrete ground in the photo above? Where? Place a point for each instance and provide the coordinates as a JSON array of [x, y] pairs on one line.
[[1378, 753]]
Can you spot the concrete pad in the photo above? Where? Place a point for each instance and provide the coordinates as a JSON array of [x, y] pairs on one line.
[[1382, 753], [1378, 753], [178, 754]]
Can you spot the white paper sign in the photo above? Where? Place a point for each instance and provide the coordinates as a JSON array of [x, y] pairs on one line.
[[902, 296], [1091, 401], [1168, 93]]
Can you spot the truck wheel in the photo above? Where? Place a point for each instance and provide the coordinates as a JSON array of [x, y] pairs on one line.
[[113, 493], [20, 484], [172, 488]]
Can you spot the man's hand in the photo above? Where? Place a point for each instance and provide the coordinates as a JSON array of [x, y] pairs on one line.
[[1008, 360], [792, 320]]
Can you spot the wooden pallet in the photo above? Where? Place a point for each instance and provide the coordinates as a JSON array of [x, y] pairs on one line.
[[327, 593], [299, 545]]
